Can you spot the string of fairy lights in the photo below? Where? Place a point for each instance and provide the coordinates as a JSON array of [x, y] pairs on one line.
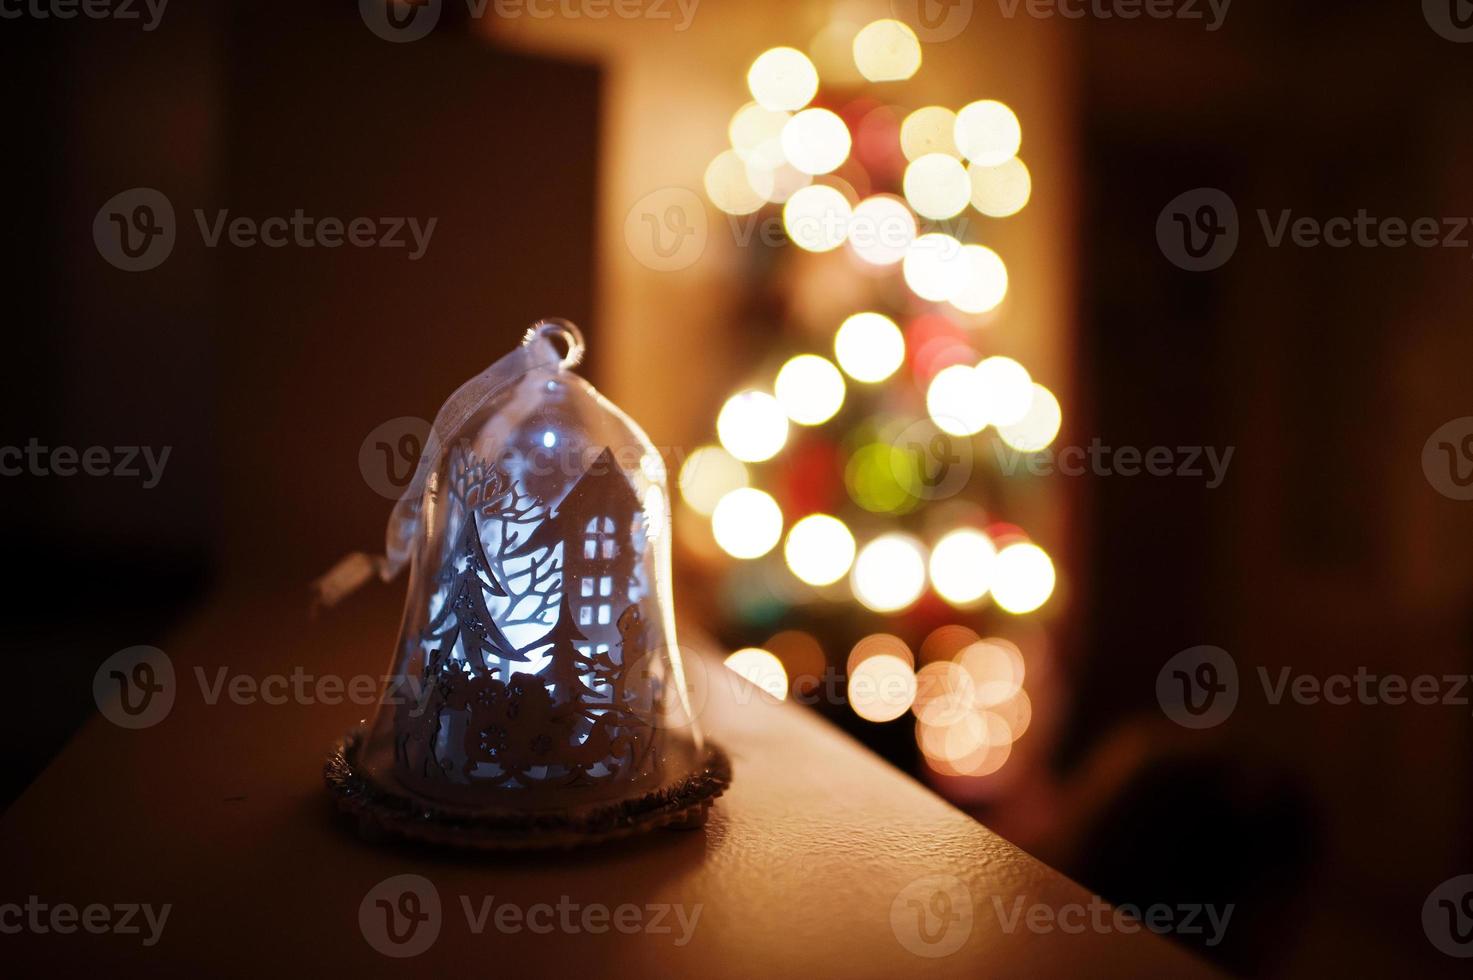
[[861, 182]]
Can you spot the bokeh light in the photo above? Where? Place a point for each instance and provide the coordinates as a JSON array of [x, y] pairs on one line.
[[816, 141], [889, 572], [997, 670], [728, 187], [887, 51], [944, 693], [817, 217], [747, 523], [1007, 390], [869, 347], [983, 282], [810, 389], [881, 229], [945, 642], [987, 133], [954, 401], [782, 79], [928, 130], [1000, 191], [1038, 428], [752, 426], [881, 688], [820, 549], [875, 645], [761, 669], [961, 566], [756, 135], [937, 186], [801, 656], [1024, 578], [707, 475], [876, 477], [935, 267]]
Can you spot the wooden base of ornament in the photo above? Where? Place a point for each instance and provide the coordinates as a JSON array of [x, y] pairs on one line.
[[384, 814]]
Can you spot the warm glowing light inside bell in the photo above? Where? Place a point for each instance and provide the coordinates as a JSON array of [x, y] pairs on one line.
[[937, 186], [935, 267], [1000, 191], [810, 389], [782, 79], [816, 218], [889, 572], [869, 347], [1039, 427], [961, 566], [987, 133], [747, 523], [881, 688], [761, 669], [752, 426], [983, 283], [1006, 388], [881, 230], [728, 187], [707, 475], [816, 141], [928, 130], [954, 401], [820, 549], [887, 51], [1023, 578]]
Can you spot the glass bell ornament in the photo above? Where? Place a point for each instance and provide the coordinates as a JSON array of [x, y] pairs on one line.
[[537, 695]]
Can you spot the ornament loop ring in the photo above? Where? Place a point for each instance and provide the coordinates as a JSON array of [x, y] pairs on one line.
[[555, 329]]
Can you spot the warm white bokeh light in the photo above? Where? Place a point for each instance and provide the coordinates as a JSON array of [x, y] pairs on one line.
[[881, 229], [707, 475], [810, 389], [889, 572], [1023, 579], [776, 184], [782, 79], [984, 280], [937, 186], [987, 133], [928, 130], [761, 669], [944, 693], [881, 688], [817, 217], [935, 267], [887, 51], [756, 135], [954, 401], [816, 141], [819, 549], [1002, 190], [961, 566], [997, 670], [1037, 429], [752, 426], [747, 523], [728, 187], [1006, 389], [870, 347]]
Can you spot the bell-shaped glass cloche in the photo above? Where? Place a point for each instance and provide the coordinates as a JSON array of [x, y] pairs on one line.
[[537, 694]]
